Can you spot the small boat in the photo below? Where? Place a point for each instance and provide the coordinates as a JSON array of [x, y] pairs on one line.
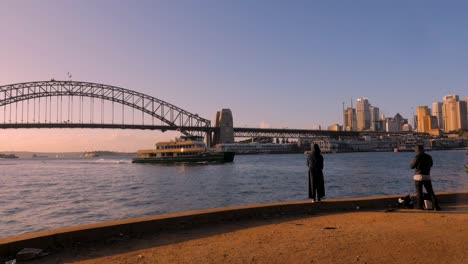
[[90, 154], [39, 156], [8, 156], [186, 149]]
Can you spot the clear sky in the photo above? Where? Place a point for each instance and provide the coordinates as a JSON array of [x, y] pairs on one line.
[[273, 63]]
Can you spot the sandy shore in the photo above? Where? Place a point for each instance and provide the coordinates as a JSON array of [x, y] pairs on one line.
[[399, 236]]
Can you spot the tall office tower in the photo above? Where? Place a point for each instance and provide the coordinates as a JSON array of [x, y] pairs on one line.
[[363, 114], [466, 102], [349, 123], [463, 113], [437, 112], [424, 124], [374, 117], [454, 113]]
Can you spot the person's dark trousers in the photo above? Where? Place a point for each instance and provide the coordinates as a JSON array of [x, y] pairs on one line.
[[419, 194]]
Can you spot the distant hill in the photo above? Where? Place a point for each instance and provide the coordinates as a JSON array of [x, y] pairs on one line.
[[30, 154]]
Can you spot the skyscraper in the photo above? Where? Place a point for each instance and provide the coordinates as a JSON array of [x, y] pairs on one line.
[[349, 123], [374, 117], [437, 112], [466, 102], [424, 124], [454, 113], [363, 114]]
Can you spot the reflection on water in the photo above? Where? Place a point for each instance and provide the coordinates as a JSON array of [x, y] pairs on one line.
[[50, 193]]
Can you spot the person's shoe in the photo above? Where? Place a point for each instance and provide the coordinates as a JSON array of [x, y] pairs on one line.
[[437, 209]]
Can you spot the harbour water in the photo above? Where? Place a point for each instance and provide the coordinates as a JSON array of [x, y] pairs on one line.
[[46, 193]]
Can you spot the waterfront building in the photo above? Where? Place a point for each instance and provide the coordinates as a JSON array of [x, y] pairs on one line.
[[349, 123], [447, 143], [363, 114], [304, 143], [374, 117], [332, 145], [361, 145], [437, 112], [408, 142], [454, 113]]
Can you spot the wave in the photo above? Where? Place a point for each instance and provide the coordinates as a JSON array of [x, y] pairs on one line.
[[114, 161]]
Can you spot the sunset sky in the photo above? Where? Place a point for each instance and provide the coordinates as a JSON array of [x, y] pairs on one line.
[[273, 63]]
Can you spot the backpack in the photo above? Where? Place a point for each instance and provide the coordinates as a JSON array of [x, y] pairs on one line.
[[405, 202]]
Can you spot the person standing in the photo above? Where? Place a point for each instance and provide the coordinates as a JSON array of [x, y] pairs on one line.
[[316, 182], [422, 164]]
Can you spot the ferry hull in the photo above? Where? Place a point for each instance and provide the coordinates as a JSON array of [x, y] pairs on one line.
[[203, 157]]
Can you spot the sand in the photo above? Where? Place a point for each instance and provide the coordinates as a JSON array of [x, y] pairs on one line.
[[399, 236]]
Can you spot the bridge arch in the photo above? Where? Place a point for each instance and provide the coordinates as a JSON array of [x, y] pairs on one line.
[[168, 113]]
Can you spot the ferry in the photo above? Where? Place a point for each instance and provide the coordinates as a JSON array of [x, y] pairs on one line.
[[186, 149]]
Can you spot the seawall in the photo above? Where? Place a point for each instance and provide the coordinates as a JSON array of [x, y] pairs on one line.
[[63, 238]]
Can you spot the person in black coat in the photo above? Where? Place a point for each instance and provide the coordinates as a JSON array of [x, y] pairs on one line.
[[316, 183]]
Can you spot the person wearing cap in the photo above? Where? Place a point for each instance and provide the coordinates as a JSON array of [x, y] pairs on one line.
[[422, 164]]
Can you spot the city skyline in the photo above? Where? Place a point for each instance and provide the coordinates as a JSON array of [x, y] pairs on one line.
[[292, 64], [436, 110]]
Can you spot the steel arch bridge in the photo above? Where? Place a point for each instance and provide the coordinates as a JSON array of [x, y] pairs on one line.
[[51, 104]]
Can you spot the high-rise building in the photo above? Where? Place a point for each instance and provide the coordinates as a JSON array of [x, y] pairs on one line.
[[374, 117], [349, 123], [437, 112], [454, 113], [395, 124], [424, 124], [463, 113], [363, 114], [466, 102]]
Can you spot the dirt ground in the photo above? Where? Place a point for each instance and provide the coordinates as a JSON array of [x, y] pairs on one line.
[[400, 236]]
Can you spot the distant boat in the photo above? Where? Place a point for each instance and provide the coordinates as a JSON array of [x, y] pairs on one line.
[[8, 156], [39, 156], [90, 154]]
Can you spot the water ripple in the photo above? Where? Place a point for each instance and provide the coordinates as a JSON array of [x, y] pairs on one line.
[[52, 193]]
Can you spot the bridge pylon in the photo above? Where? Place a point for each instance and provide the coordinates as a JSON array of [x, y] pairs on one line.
[[225, 133]]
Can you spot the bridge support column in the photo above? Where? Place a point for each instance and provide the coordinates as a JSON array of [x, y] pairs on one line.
[[225, 122], [209, 139]]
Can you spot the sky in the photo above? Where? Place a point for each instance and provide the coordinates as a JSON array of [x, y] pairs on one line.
[[273, 63]]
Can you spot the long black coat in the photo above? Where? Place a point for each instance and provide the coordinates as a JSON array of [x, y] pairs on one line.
[[316, 182]]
